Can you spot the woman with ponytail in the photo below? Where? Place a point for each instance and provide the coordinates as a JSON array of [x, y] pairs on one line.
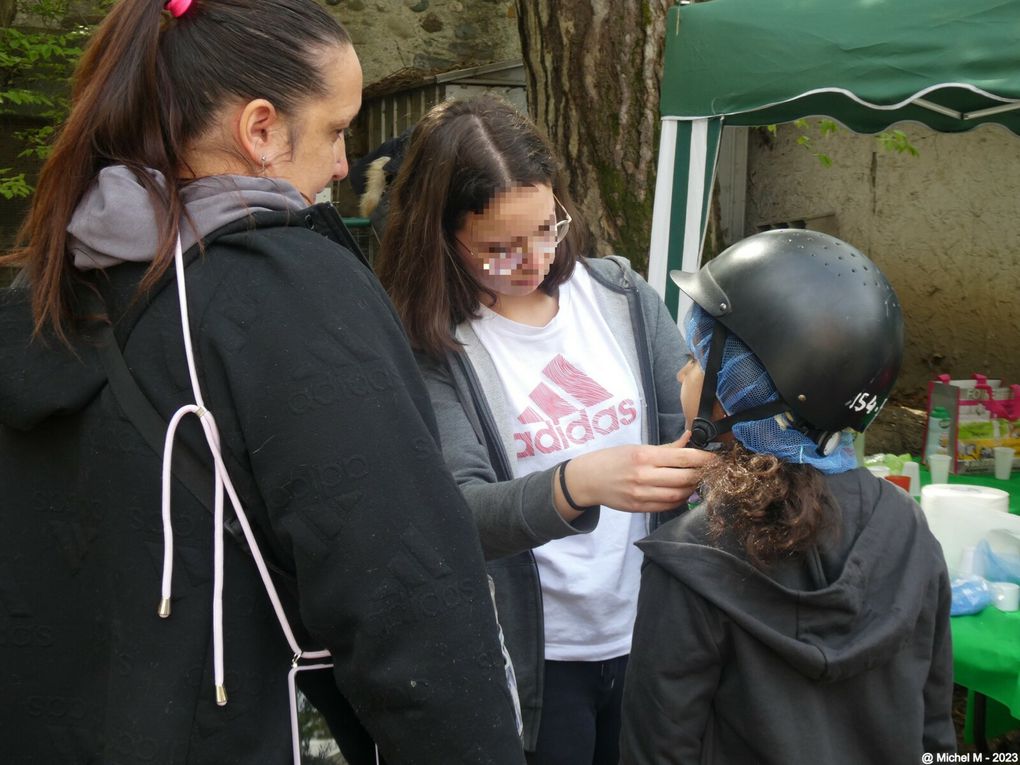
[[800, 613], [189, 331]]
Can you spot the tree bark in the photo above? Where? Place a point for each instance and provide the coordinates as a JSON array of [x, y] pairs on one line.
[[8, 10], [594, 69]]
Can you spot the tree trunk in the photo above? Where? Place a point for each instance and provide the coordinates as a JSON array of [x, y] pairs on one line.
[[8, 10], [594, 69]]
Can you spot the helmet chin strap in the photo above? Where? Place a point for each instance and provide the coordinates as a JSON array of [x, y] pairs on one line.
[[705, 431]]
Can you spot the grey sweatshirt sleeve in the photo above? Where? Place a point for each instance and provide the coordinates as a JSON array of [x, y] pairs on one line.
[[668, 354], [511, 516]]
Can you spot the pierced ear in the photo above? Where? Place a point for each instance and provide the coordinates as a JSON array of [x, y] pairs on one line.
[[257, 125]]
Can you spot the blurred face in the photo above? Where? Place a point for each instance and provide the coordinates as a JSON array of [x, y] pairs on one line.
[[691, 377], [317, 154], [510, 246]]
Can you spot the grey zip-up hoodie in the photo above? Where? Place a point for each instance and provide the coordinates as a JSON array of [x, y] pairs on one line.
[[515, 515], [842, 655]]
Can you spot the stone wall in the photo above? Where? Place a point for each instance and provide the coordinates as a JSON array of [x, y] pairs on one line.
[[943, 226], [390, 35]]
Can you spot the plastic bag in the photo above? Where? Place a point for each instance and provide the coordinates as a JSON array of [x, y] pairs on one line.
[[971, 594], [1001, 564], [892, 461]]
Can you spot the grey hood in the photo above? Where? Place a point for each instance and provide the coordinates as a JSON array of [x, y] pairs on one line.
[[850, 606], [116, 223]]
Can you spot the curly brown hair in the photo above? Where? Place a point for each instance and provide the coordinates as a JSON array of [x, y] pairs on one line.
[[769, 508]]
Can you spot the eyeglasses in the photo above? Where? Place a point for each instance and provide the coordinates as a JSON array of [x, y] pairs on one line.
[[562, 226]]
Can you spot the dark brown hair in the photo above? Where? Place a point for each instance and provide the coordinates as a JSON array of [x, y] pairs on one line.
[[460, 156], [768, 508], [146, 87]]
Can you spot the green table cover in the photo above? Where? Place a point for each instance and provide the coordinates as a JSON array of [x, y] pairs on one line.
[[986, 659]]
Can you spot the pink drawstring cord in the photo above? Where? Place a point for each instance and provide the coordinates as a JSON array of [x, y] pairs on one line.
[[222, 482]]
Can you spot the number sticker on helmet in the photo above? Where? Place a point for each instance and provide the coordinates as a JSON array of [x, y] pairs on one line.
[[863, 402]]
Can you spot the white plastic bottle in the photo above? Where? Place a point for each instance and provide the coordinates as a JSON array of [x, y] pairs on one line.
[[938, 432]]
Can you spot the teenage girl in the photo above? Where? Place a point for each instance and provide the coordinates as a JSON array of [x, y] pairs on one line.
[[553, 377]]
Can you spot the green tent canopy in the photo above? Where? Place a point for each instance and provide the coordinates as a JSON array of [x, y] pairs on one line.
[[948, 64]]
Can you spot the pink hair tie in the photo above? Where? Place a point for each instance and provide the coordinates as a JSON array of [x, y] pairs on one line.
[[177, 8]]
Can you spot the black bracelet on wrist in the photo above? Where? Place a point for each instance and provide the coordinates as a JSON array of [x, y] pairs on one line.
[[562, 467]]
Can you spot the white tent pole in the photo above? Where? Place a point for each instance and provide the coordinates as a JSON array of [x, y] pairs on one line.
[[938, 108], [695, 195], [991, 110], [691, 260], [658, 248]]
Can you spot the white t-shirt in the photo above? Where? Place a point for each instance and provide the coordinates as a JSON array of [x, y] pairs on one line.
[[572, 391]]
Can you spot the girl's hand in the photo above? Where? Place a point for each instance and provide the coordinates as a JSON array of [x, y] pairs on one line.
[[639, 479]]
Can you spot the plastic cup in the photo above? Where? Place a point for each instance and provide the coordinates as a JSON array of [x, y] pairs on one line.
[[913, 471], [1006, 596], [1003, 461], [938, 466], [903, 481]]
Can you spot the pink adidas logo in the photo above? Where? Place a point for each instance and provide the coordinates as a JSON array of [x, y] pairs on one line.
[[569, 393]]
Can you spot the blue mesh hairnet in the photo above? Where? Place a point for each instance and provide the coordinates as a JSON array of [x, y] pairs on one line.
[[743, 383]]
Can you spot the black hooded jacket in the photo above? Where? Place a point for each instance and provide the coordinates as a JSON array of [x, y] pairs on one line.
[[330, 441], [842, 655]]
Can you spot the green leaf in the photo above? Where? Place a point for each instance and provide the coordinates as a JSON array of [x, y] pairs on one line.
[[36, 62], [23, 96], [898, 141], [13, 186], [827, 127]]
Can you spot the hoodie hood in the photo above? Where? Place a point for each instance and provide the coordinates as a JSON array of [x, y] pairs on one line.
[[40, 378], [115, 223], [845, 607]]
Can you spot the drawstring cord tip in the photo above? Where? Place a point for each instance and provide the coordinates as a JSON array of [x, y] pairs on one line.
[[221, 696], [164, 608]]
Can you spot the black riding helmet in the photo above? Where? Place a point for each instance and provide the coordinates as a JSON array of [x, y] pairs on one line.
[[819, 315]]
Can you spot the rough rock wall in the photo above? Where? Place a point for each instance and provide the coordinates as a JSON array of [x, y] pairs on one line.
[[390, 35], [944, 227]]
